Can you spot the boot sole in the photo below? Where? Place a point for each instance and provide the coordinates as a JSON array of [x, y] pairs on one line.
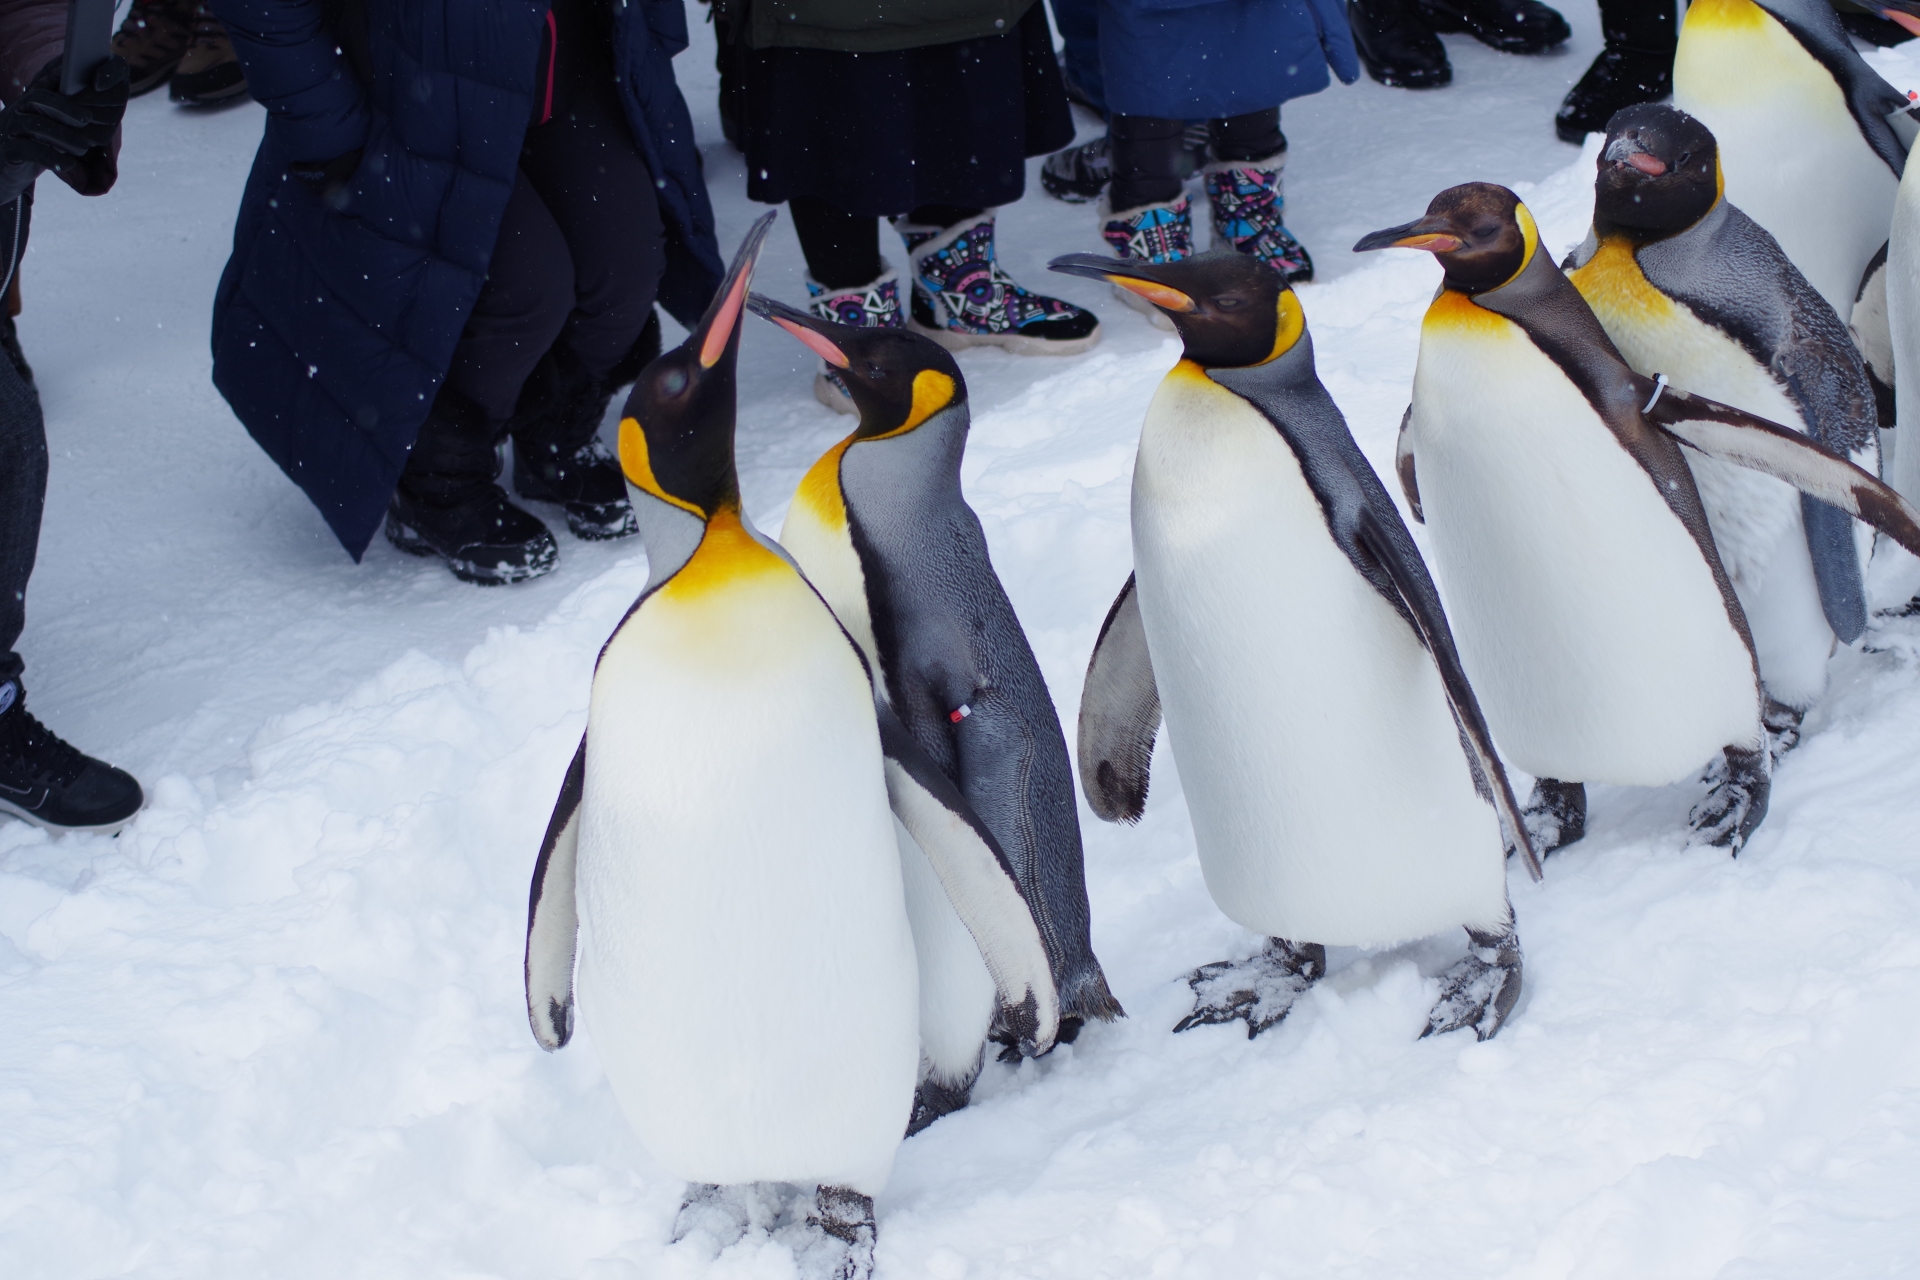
[[1019, 344], [494, 575], [585, 530], [103, 828]]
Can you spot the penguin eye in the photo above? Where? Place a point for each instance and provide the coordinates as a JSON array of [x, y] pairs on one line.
[[1228, 301], [875, 372], [673, 382], [1684, 157]]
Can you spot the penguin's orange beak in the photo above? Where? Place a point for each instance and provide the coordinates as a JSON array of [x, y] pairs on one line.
[[810, 329], [1435, 235], [1135, 277], [1905, 15], [722, 321]]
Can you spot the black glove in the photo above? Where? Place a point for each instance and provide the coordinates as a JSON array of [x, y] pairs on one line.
[[47, 129]]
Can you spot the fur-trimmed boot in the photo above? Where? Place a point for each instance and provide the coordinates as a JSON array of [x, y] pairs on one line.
[[1161, 232], [962, 298], [1248, 201], [874, 305]]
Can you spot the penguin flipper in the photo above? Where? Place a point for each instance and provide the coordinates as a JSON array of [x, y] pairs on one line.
[[1403, 466], [1391, 548], [1746, 440], [553, 917], [979, 882], [1119, 714]]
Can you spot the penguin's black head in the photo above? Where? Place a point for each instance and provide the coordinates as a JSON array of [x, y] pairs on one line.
[[676, 433], [1659, 173], [897, 378], [1231, 309], [1480, 232]]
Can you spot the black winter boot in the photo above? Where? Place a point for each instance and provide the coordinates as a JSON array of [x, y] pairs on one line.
[[1511, 26], [53, 784], [1397, 45], [447, 504], [1636, 66], [557, 454]]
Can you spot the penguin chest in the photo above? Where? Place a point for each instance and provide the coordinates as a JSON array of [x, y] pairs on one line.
[[819, 536], [1793, 156], [1903, 323], [747, 973], [1754, 517], [1322, 768], [1589, 621]]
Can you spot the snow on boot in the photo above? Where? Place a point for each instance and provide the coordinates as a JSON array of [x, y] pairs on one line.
[[1260, 989], [447, 504], [1079, 174], [1511, 26], [1555, 814], [1736, 802], [962, 298], [1635, 66], [153, 39], [1248, 201], [1160, 232], [53, 784], [557, 455], [1479, 991], [874, 305]]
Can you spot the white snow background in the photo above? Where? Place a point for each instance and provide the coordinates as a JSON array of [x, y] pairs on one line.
[[275, 1028]]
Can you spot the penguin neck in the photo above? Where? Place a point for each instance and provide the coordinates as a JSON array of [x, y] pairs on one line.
[[938, 444], [1606, 230]]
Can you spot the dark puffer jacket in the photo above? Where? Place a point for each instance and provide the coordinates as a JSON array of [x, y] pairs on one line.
[[333, 327]]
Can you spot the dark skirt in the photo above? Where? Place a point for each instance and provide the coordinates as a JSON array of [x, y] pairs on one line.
[[882, 133]]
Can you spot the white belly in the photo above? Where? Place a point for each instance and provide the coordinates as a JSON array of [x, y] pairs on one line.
[[957, 995], [1793, 158], [747, 973], [1755, 518], [1330, 798], [1586, 616]]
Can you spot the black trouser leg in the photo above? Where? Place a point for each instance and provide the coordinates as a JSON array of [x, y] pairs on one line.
[[596, 185], [23, 495], [521, 310], [1253, 136], [842, 249], [1647, 25], [1149, 160]]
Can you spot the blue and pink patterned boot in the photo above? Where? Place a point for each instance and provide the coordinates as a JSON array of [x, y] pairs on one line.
[[875, 305], [1247, 204], [1161, 232], [961, 297]]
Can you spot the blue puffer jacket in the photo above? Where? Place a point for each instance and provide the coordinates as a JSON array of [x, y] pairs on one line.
[[1204, 59], [333, 329]]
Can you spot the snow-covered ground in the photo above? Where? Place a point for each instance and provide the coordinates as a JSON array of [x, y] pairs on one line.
[[275, 1028]]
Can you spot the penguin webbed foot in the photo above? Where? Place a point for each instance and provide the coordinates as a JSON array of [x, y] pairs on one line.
[[1479, 991], [933, 1100], [1260, 989], [838, 1243], [1734, 805], [726, 1213], [1782, 723], [1555, 814]]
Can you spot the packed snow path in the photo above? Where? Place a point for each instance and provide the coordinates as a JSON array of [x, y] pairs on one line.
[[276, 1027]]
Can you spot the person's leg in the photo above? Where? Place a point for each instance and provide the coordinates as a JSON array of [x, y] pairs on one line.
[[1635, 66], [1244, 189], [1149, 161], [842, 249], [447, 503], [1078, 22], [23, 491]]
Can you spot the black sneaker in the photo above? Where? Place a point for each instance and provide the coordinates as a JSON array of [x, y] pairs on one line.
[[1511, 26], [1079, 174], [1619, 77], [1396, 44], [587, 481], [483, 537], [53, 784]]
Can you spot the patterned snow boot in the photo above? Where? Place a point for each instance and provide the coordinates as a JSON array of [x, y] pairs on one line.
[[961, 297], [875, 305], [1247, 206], [1150, 233]]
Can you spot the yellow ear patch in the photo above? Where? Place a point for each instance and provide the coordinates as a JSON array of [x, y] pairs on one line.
[[638, 467], [1291, 323], [1529, 235], [932, 392]]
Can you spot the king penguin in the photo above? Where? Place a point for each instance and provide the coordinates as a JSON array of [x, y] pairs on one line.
[[723, 848], [1687, 285], [1341, 781], [1804, 130], [880, 527], [1593, 611]]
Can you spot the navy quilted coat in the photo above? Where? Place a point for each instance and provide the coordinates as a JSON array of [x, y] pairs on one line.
[[332, 329]]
